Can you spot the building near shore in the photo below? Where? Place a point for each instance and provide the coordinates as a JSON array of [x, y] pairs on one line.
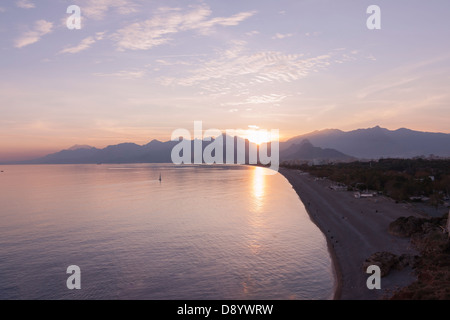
[[339, 187], [359, 195]]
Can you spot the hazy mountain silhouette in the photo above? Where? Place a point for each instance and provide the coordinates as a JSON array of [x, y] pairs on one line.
[[76, 147], [375, 143], [332, 145], [306, 151], [153, 152]]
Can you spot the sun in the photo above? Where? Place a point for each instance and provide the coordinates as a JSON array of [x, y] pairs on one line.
[[258, 136]]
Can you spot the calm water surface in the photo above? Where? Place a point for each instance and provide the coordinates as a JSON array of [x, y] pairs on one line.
[[222, 232]]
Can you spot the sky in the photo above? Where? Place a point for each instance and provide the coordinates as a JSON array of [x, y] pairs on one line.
[[138, 70]]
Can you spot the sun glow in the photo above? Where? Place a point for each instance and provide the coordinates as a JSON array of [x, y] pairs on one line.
[[258, 136]]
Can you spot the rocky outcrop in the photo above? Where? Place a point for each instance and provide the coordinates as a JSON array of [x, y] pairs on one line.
[[430, 238], [388, 261], [406, 227]]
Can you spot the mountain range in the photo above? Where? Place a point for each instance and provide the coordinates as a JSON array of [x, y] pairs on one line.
[[325, 145], [376, 143]]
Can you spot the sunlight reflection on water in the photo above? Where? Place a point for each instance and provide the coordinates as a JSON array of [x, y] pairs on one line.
[[220, 232]]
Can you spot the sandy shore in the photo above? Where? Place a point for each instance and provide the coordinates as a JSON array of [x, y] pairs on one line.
[[355, 229]]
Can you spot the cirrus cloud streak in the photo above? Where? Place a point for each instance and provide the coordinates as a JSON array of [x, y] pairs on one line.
[[41, 28], [169, 21]]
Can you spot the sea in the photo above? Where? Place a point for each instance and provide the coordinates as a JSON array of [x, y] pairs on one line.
[[198, 233]]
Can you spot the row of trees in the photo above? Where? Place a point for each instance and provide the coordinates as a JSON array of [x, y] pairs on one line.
[[401, 179]]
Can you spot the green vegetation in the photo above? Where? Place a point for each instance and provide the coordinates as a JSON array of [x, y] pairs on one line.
[[400, 179]]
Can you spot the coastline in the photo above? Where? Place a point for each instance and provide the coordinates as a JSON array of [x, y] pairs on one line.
[[354, 230]]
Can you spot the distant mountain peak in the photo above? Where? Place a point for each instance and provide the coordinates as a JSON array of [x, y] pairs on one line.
[[305, 150], [78, 147], [154, 141], [372, 129]]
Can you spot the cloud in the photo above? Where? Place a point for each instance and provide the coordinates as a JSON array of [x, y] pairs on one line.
[[386, 85], [41, 28], [173, 63], [25, 4], [236, 69], [169, 21], [98, 9], [313, 34], [245, 76], [84, 44], [225, 22], [263, 99], [282, 36], [252, 33], [127, 75], [99, 36], [2, 10]]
